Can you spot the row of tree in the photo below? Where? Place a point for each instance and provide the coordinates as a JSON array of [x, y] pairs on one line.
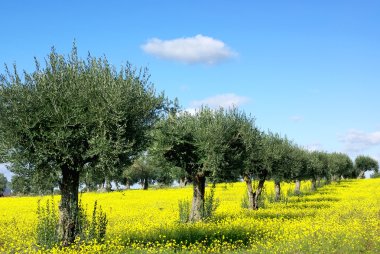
[[77, 121]]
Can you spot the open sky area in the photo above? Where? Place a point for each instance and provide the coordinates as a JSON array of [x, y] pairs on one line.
[[309, 70]]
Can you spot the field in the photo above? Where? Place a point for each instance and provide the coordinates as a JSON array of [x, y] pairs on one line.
[[338, 218]]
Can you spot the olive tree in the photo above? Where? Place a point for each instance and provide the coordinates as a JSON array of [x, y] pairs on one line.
[[72, 116], [365, 163], [254, 161], [314, 168], [204, 144], [282, 153], [340, 164], [142, 171]]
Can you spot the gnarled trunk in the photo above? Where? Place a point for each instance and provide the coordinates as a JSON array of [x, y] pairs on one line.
[[361, 174], [251, 195], [182, 181], [313, 184], [108, 184], [199, 182], [297, 188], [145, 184], [68, 207], [127, 185], [277, 191], [258, 193]]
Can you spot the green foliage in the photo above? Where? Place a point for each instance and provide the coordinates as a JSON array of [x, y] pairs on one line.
[[76, 113], [3, 183], [210, 205], [87, 229], [47, 224], [375, 175], [97, 226], [208, 210], [365, 163], [244, 201], [142, 171], [208, 142], [183, 211], [74, 116], [27, 181], [340, 165]]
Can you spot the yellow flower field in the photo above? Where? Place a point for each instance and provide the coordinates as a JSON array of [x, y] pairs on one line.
[[338, 218]]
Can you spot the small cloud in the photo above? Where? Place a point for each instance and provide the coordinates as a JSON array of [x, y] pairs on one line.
[[222, 100], [314, 147], [296, 119], [191, 50], [355, 140], [184, 88], [191, 111]]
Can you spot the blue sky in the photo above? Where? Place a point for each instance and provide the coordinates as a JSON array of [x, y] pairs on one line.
[[306, 69]]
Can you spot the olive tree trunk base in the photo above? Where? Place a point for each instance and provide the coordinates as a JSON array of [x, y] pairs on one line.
[[258, 193], [68, 208], [297, 188], [313, 184], [199, 183], [277, 191], [251, 195]]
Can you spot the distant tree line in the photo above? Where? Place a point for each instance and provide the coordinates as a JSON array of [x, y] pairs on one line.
[[81, 124]]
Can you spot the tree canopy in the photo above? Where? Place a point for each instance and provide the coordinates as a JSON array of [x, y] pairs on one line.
[[365, 163], [73, 116]]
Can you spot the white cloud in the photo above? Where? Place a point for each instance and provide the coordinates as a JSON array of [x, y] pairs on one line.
[[314, 147], [197, 49], [296, 118], [184, 88], [191, 111], [222, 100], [355, 140]]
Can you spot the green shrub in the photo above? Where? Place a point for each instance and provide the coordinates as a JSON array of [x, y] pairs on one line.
[[47, 225], [210, 205], [184, 211], [86, 230]]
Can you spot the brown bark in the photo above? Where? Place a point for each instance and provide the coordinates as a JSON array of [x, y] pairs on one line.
[[108, 185], [199, 182], [361, 174], [277, 190], [127, 185], [318, 181], [182, 182], [258, 193], [251, 195], [145, 184], [68, 207], [297, 188], [313, 184]]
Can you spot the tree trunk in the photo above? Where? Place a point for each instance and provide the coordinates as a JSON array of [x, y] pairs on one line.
[[318, 181], [313, 184], [361, 174], [108, 185], [199, 182], [68, 207], [127, 185], [251, 195], [182, 182], [277, 191], [146, 184], [297, 188], [258, 193]]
